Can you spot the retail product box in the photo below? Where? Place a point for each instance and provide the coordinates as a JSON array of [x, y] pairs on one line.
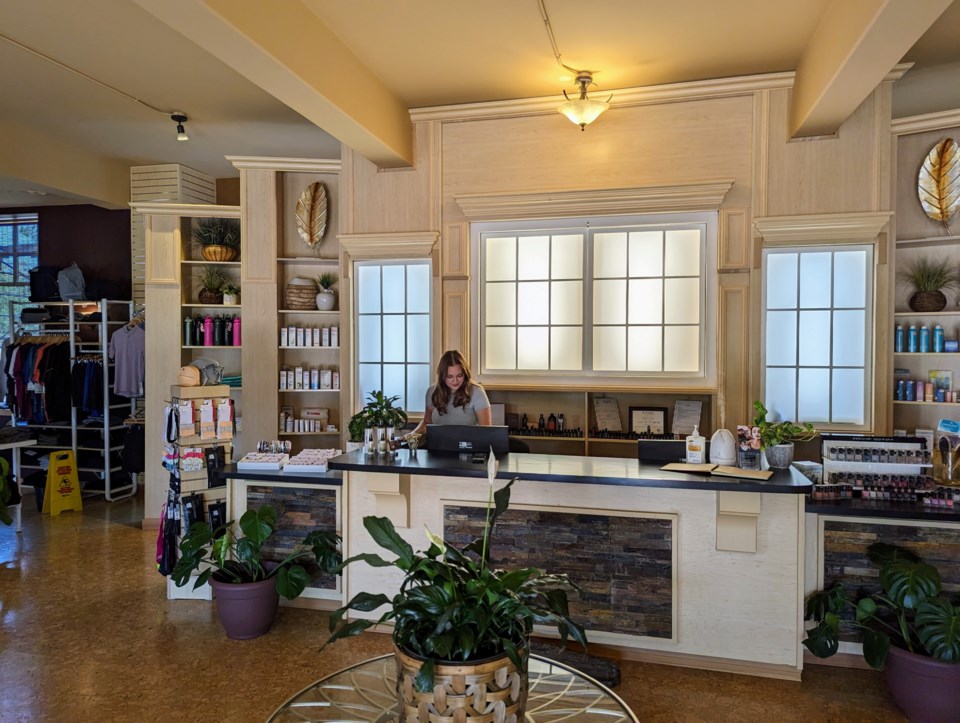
[[208, 392], [334, 336]]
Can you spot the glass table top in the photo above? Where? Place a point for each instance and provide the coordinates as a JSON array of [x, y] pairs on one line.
[[367, 692]]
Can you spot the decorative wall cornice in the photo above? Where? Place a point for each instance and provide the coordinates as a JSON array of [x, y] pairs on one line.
[[419, 244], [194, 210], [701, 196], [926, 122], [822, 228], [306, 165]]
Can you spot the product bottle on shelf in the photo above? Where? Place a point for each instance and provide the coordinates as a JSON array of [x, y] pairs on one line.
[[236, 331], [541, 423], [924, 339], [552, 422], [523, 423], [912, 341], [560, 421], [188, 331], [198, 331], [218, 330], [938, 338], [208, 331], [898, 338], [227, 331]]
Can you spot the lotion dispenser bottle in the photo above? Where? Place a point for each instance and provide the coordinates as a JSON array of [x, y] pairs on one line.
[[695, 445]]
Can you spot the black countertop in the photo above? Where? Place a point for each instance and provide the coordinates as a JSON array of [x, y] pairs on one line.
[[568, 469], [271, 475]]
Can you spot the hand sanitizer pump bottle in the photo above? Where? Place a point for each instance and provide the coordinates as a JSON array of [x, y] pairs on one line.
[[695, 446]]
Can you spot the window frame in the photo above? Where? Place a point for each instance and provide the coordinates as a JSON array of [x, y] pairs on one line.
[[16, 221], [705, 379]]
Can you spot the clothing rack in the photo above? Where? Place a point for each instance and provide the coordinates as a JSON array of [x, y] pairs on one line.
[[80, 352]]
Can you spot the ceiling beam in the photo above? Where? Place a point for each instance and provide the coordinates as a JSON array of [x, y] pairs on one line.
[[286, 50], [854, 46]]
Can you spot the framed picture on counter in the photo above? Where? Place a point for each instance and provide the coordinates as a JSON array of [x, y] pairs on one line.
[[648, 419]]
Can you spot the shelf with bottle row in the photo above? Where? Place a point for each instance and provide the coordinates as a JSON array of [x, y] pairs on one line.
[[204, 262], [308, 311], [927, 404], [309, 434], [547, 438], [334, 348], [908, 314], [926, 353], [212, 347], [928, 242], [210, 306], [300, 391]]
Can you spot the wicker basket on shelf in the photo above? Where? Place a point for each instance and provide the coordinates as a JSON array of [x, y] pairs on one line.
[[301, 294]]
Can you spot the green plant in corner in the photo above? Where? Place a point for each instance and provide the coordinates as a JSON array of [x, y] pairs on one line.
[[212, 279], [774, 433], [910, 612], [217, 232], [325, 281]]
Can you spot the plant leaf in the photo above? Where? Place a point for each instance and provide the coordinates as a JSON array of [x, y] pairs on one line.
[[938, 184], [822, 640], [259, 524], [291, 580], [382, 531], [938, 627], [424, 680], [909, 583], [876, 645]]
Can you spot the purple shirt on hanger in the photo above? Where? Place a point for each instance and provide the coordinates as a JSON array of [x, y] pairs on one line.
[[127, 349]]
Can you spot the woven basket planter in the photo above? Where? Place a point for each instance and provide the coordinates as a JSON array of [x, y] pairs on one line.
[[928, 301], [301, 295], [487, 691], [219, 253]]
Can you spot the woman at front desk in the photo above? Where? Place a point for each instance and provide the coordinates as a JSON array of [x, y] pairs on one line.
[[455, 398]]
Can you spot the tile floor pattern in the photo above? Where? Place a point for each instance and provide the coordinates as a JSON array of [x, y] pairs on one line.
[[87, 634]]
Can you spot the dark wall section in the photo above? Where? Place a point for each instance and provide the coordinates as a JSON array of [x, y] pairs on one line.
[[96, 239]]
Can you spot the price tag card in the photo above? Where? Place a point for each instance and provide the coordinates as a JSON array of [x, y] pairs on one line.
[[185, 418]]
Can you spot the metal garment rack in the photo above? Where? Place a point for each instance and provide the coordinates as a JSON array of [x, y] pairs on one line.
[[80, 348]]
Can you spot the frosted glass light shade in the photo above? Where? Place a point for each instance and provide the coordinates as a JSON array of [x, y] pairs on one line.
[[583, 112]]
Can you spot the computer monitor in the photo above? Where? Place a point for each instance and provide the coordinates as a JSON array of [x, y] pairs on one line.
[[467, 439]]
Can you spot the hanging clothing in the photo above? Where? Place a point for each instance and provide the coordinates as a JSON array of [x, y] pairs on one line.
[[37, 370], [86, 386], [128, 350]]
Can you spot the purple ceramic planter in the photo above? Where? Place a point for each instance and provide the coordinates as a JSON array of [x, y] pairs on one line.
[[246, 610], [923, 688]]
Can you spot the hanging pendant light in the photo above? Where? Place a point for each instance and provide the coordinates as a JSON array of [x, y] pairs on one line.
[[583, 111]]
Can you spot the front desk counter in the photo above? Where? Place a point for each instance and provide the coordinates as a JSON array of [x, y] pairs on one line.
[[677, 568]]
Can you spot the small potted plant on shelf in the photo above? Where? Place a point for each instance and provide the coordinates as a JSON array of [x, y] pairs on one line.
[[929, 277], [456, 615], [231, 293], [211, 283], [218, 238], [777, 438], [326, 299], [378, 413], [909, 627], [246, 587]]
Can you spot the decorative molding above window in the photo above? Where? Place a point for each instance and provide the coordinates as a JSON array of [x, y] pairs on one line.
[[700, 196], [419, 244], [822, 228]]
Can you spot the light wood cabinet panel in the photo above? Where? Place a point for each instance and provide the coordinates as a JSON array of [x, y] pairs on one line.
[[163, 250], [733, 400], [735, 238], [259, 194], [456, 250], [456, 318], [261, 371]]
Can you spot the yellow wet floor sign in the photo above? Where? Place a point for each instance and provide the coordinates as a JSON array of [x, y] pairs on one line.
[[63, 487]]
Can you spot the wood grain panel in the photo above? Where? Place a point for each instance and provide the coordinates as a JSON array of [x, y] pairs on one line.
[[164, 246], [291, 186], [733, 400], [734, 241], [455, 250], [456, 318], [260, 364], [260, 226]]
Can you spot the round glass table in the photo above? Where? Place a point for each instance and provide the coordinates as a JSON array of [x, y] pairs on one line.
[[367, 692]]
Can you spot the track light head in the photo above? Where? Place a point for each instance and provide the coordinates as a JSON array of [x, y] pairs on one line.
[[180, 119]]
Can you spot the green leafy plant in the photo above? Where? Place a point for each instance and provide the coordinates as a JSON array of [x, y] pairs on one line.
[[232, 559], [229, 288], [774, 433], [910, 612], [929, 274], [326, 280], [379, 412], [217, 232], [212, 279], [452, 605], [6, 493]]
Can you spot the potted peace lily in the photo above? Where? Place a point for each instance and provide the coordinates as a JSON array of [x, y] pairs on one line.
[[247, 587], [455, 614], [777, 438], [909, 628]]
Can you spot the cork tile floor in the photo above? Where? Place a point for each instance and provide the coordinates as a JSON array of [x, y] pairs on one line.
[[87, 634]]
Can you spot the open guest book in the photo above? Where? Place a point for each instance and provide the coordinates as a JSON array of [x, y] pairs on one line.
[[718, 469]]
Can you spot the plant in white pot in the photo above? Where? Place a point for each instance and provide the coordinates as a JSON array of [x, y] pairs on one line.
[[231, 294], [777, 438], [326, 298], [246, 587], [910, 629]]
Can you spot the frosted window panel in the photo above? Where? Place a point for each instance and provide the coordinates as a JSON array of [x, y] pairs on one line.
[[566, 302], [368, 339], [501, 351], [850, 279], [681, 301], [394, 338], [609, 348], [682, 253], [815, 278], [610, 302], [848, 399], [646, 253], [418, 289], [848, 338], [368, 289], [814, 337], [781, 394], [369, 380], [395, 383], [533, 302], [566, 348], [781, 281], [418, 380], [418, 338], [609, 255], [533, 257], [644, 349], [533, 348], [781, 338], [501, 259], [646, 301], [813, 401], [566, 258], [394, 289], [681, 348], [501, 304]]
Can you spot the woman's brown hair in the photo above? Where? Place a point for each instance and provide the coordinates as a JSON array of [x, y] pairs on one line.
[[441, 395]]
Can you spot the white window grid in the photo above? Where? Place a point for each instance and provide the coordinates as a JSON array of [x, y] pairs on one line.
[[17, 231]]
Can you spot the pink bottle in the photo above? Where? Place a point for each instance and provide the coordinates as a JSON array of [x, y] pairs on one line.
[[208, 331], [236, 331]]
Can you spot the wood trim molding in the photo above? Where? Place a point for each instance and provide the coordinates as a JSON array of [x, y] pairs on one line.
[[193, 210], [456, 250], [822, 228], [307, 165], [418, 244], [695, 196], [926, 122], [734, 240]]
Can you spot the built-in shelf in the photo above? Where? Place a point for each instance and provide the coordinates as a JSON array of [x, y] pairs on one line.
[[192, 262], [308, 260], [306, 311], [211, 306], [929, 404], [335, 348], [925, 353], [309, 434], [213, 348], [926, 313], [926, 242], [298, 391]]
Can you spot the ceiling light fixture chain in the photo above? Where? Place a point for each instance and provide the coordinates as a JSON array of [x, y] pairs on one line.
[[583, 110]]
